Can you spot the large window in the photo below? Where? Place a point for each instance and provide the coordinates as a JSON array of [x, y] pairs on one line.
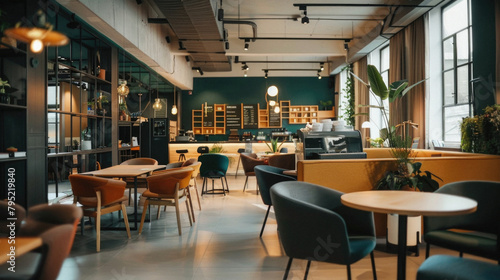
[[457, 67]]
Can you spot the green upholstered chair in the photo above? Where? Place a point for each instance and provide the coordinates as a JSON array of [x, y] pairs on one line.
[[213, 166], [442, 267], [309, 215], [478, 233], [267, 176]]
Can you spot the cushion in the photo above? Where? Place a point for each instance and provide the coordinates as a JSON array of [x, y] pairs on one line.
[[454, 268], [189, 162]]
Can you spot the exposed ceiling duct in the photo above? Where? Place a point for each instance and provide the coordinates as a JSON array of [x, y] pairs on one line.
[[196, 26]]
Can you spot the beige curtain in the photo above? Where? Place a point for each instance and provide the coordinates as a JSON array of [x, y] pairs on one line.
[[361, 94], [407, 61]]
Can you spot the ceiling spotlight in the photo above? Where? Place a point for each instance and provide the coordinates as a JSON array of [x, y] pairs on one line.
[[322, 66], [245, 73], [319, 75], [167, 38], [227, 45], [266, 72], [246, 44], [305, 19], [346, 45], [245, 67], [198, 69]]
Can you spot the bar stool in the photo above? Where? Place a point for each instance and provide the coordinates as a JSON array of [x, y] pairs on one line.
[[202, 150], [239, 160], [182, 156]]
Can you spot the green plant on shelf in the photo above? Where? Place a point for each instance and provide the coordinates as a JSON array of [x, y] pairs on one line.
[[326, 104], [3, 84]]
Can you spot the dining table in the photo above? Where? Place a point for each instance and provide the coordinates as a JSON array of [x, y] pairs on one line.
[[21, 246], [408, 203], [127, 171]]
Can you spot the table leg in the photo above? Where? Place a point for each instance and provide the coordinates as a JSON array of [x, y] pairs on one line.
[[136, 203], [402, 232]]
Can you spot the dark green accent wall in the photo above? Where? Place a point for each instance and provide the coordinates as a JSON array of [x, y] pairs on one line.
[[484, 53], [251, 90]]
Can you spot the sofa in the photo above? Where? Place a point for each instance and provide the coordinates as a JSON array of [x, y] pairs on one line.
[[352, 175]]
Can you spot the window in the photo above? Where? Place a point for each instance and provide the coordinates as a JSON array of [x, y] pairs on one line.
[[457, 67], [384, 72]]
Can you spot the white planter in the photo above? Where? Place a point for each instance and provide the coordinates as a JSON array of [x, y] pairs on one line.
[[414, 226]]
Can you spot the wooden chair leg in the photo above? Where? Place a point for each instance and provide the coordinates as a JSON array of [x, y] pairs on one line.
[[177, 213], [197, 194], [98, 229], [189, 214], [125, 219], [245, 185], [191, 202], [146, 203], [158, 213]]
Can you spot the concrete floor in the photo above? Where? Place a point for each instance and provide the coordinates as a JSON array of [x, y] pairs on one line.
[[223, 243]]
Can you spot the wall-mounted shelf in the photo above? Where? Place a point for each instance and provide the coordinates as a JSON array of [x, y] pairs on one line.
[[210, 120], [303, 114]]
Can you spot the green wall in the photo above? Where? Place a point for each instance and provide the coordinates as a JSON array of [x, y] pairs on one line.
[[484, 53], [251, 90]]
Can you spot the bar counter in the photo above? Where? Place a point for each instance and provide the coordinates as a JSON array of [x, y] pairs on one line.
[[230, 150]]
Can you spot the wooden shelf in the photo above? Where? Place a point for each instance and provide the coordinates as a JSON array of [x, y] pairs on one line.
[[303, 114], [217, 119], [263, 118]]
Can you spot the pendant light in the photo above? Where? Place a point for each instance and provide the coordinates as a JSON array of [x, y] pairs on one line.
[[123, 89], [157, 106], [38, 36], [174, 107]]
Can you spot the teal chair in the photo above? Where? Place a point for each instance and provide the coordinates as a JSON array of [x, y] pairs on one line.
[[267, 176], [442, 267], [213, 166], [482, 227], [309, 215]]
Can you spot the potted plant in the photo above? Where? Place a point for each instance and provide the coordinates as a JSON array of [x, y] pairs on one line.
[[407, 174], [273, 145], [326, 104], [4, 97]]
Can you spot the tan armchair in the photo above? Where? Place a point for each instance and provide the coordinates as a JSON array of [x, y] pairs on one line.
[[99, 196], [168, 187], [249, 161]]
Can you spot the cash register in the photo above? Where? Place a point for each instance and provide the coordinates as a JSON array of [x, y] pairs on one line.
[[332, 144]]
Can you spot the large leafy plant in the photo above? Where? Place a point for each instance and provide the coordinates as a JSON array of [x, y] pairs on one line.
[[273, 145], [408, 174]]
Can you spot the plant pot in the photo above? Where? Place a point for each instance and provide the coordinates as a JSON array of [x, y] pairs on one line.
[[414, 227]]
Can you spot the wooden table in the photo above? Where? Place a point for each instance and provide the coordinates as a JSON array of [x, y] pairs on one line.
[[292, 173], [408, 203], [127, 171], [23, 245]]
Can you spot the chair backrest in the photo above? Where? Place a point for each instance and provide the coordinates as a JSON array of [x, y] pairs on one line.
[[20, 214], [285, 161], [249, 161], [140, 161], [164, 182], [309, 215], [267, 176], [284, 150], [487, 195], [44, 217], [196, 169], [59, 241], [202, 149], [87, 186], [213, 165]]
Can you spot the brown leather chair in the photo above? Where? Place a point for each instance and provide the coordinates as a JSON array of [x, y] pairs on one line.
[[168, 187], [99, 196], [284, 161], [56, 225], [141, 181], [249, 161]]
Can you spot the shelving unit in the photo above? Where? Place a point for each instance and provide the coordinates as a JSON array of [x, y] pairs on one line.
[[217, 119], [285, 109], [303, 114], [263, 118]]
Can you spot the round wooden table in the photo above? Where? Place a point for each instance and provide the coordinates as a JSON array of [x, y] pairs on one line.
[[408, 203]]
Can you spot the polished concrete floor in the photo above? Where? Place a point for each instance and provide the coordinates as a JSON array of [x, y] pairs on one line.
[[223, 243]]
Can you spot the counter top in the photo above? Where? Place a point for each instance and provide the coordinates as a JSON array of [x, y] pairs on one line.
[[225, 142]]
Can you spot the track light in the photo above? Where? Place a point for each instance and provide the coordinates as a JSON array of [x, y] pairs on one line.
[[246, 44], [187, 58], [245, 67], [319, 74], [266, 72], [346, 45], [198, 69], [227, 45], [305, 19], [181, 46], [167, 38], [245, 73], [322, 66]]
